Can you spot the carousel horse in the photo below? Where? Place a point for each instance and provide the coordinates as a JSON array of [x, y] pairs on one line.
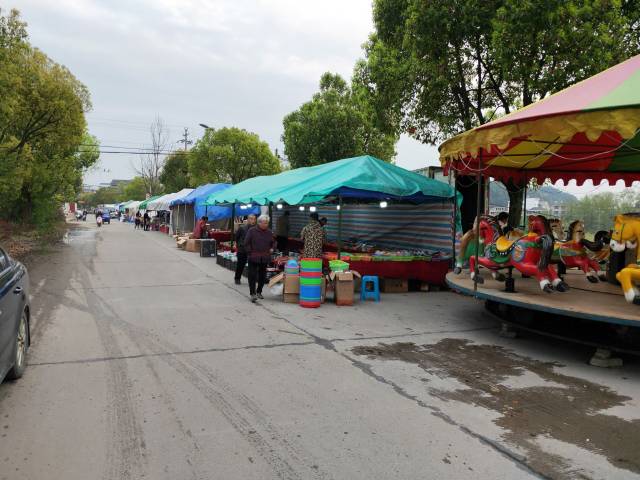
[[572, 252], [529, 254], [468, 248], [626, 234], [557, 228]]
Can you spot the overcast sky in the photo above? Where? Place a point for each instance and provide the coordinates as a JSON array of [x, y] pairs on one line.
[[244, 63]]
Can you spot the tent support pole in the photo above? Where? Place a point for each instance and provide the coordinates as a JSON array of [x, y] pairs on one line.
[[476, 270], [184, 219], [270, 215], [233, 212], [340, 227]]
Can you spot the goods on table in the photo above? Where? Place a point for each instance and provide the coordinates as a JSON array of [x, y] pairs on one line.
[[310, 282], [292, 267], [338, 265]]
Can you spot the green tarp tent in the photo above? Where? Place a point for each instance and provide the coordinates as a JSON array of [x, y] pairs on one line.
[[364, 178], [143, 205]]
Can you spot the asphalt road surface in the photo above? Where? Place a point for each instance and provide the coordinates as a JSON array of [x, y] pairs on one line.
[[147, 362]]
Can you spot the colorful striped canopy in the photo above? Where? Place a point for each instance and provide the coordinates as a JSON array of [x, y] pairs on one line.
[[588, 131]]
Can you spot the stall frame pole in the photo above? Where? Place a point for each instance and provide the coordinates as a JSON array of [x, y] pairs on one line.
[[184, 219], [233, 212], [270, 215], [340, 227], [477, 227]]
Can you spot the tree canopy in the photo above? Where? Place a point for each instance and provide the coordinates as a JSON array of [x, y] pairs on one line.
[[42, 128], [338, 122], [437, 68], [230, 155], [175, 172]]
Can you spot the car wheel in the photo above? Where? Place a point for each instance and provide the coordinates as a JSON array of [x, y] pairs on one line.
[[22, 344]]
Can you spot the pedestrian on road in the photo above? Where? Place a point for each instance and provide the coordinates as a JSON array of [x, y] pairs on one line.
[[137, 224], [146, 221], [313, 236], [259, 244], [282, 232], [241, 234]]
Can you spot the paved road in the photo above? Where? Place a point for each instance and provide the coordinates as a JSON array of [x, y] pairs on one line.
[[148, 362]]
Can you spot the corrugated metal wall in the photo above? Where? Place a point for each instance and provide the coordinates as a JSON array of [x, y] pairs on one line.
[[425, 227]]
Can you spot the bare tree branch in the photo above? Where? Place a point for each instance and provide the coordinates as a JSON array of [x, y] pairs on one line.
[[150, 164]]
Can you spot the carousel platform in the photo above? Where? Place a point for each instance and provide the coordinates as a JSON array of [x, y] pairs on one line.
[[602, 301]]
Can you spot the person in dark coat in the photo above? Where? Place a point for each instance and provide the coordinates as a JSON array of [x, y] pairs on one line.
[[241, 234], [259, 244]]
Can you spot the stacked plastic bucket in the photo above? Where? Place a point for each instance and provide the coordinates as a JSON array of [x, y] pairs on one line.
[[310, 282]]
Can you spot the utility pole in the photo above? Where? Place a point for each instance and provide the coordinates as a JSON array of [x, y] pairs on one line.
[[185, 139]]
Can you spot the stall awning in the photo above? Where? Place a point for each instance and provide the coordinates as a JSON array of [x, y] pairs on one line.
[[163, 203], [199, 196], [144, 203], [364, 177], [587, 131]]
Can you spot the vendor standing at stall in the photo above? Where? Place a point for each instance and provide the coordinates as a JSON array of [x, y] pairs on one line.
[[201, 230], [313, 236], [259, 245], [240, 236], [282, 232]]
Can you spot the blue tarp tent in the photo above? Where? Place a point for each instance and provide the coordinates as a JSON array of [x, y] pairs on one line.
[[198, 197]]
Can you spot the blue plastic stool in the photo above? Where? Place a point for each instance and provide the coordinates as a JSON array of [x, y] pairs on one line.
[[375, 288]]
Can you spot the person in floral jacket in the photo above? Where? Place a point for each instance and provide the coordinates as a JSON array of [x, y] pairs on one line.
[[313, 236]]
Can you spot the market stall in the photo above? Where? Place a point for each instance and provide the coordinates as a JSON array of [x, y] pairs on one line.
[[366, 198], [162, 204], [193, 207], [586, 132]]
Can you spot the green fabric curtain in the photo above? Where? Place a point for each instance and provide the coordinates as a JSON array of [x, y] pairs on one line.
[[315, 184]]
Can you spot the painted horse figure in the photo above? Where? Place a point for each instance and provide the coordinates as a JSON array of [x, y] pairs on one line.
[[626, 234], [572, 252], [529, 254]]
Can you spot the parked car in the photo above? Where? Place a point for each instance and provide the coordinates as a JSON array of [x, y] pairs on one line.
[[114, 213], [15, 335], [106, 218]]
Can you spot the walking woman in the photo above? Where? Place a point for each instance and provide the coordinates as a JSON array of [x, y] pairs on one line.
[[259, 244]]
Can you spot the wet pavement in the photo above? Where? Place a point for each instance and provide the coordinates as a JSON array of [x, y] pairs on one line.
[[148, 362]]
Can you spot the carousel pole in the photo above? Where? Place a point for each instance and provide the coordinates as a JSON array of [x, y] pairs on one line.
[[455, 217], [476, 270], [339, 226], [524, 206]]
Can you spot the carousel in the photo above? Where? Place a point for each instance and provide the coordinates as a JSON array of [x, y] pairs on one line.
[[589, 131]]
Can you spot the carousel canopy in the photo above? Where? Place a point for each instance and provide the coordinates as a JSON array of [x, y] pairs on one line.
[[363, 177], [587, 131]]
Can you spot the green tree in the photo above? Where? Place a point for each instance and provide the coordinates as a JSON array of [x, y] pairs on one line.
[[437, 68], [230, 155], [337, 123], [598, 210], [42, 128], [175, 172], [134, 190]]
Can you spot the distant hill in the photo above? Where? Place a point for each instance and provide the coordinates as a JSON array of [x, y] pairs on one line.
[[546, 193]]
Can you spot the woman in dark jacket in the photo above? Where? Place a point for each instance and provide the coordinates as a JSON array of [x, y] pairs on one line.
[[259, 244], [241, 234]]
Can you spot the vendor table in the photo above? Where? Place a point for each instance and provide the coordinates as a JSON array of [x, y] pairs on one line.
[[220, 236], [433, 272]]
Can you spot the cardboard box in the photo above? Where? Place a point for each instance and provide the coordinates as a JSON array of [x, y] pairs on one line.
[[343, 284], [276, 279], [292, 284], [193, 245], [394, 285], [290, 298]]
